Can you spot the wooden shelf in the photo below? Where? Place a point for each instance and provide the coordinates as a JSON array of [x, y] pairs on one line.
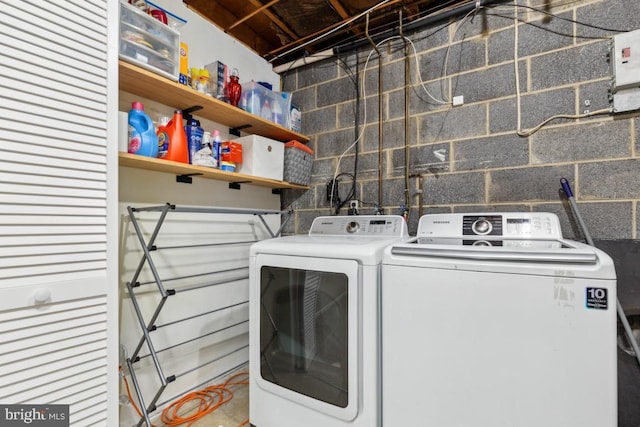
[[149, 85], [177, 168]]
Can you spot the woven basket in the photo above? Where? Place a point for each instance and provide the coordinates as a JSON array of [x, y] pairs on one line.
[[298, 159]]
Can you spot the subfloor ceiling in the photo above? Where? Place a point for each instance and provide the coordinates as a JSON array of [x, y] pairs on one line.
[[284, 30]]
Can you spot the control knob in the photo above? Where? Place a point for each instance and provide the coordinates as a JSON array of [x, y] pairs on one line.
[[482, 226]]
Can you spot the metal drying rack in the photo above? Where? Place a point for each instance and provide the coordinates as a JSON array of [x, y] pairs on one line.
[[147, 326]]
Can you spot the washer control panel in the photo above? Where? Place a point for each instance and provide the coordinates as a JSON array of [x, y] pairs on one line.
[[360, 225], [509, 225]]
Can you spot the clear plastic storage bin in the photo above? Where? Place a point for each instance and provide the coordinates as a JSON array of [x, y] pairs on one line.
[[149, 43], [270, 105]]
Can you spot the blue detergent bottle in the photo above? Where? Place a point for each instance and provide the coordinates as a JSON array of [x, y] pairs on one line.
[[143, 140], [194, 137]]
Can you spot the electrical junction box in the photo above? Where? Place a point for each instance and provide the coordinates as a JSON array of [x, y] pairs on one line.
[[625, 61]]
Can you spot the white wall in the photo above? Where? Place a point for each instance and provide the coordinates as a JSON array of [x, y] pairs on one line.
[[141, 187], [207, 43]]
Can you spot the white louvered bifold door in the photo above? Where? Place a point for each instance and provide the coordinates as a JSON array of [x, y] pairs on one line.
[[58, 203]]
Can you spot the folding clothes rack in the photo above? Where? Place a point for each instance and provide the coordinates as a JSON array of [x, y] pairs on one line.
[[149, 325]]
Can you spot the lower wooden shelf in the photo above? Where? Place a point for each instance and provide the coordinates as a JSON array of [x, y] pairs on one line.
[[177, 168]]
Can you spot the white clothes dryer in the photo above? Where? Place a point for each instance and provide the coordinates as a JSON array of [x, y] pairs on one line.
[[495, 320], [314, 323]]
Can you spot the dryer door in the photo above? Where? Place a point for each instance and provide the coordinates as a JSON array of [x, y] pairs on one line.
[[307, 331]]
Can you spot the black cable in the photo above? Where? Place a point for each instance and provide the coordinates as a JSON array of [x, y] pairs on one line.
[[356, 126], [333, 186], [585, 24]]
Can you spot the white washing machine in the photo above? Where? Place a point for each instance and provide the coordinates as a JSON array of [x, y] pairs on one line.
[[494, 320], [314, 324]]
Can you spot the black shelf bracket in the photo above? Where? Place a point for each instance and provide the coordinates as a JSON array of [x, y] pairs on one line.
[[186, 113], [236, 130], [186, 178], [276, 191], [236, 185]]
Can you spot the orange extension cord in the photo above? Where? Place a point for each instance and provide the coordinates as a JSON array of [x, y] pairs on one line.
[[208, 400]]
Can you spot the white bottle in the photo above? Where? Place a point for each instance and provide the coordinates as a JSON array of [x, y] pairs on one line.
[[265, 112], [216, 148], [276, 114]]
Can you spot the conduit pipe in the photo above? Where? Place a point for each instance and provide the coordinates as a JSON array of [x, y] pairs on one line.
[[427, 21]]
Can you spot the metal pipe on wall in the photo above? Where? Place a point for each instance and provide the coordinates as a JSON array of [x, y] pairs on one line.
[[420, 23]]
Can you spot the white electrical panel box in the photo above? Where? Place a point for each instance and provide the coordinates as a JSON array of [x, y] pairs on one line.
[[625, 82]]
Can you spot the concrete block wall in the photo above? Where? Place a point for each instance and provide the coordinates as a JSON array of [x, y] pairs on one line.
[[562, 69]]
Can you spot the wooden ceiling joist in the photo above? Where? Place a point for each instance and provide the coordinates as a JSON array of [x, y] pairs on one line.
[[252, 14], [277, 21]]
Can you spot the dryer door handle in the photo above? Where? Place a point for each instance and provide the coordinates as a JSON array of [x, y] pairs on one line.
[[566, 256]]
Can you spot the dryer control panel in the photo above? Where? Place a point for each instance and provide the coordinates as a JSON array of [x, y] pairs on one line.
[[507, 225], [361, 225]]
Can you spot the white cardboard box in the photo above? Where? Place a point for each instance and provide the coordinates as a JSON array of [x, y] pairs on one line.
[[263, 157]]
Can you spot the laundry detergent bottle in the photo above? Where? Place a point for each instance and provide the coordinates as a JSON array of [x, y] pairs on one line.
[[142, 134], [177, 150]]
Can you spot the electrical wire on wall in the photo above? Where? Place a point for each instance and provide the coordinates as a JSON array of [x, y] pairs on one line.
[[460, 21], [364, 98], [333, 186], [528, 132]]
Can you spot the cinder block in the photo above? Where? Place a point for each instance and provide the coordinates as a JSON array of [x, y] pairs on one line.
[[461, 122], [318, 72], [393, 193], [431, 64], [421, 102], [483, 22], [432, 159], [529, 184], [318, 121], [334, 143], [290, 81], [322, 170], [346, 112], [335, 92], [392, 135], [490, 153], [589, 141], [368, 166], [578, 64], [431, 38], [619, 15], [502, 115], [544, 35], [594, 96], [305, 99], [608, 220], [466, 56], [616, 179], [495, 82], [393, 75], [500, 46], [453, 189], [636, 125], [538, 107]]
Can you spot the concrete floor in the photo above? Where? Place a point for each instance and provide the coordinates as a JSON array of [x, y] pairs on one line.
[[232, 413]]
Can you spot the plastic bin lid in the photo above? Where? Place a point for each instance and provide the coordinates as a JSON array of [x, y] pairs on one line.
[[299, 145]]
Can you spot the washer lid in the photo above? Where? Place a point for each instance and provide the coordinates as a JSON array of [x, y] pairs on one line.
[[544, 251]]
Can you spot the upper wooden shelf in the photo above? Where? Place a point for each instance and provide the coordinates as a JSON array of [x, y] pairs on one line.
[[177, 168], [152, 86]]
